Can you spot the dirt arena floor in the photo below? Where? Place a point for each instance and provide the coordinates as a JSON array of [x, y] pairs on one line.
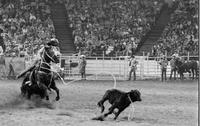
[[173, 103]]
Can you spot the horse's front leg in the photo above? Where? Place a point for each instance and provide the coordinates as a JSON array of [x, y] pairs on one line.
[[53, 86], [44, 88]]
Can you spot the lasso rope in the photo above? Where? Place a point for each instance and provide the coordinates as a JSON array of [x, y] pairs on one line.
[[114, 78], [133, 108], [114, 86]]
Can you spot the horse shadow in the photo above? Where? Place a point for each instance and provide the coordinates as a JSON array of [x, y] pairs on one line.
[[19, 102]]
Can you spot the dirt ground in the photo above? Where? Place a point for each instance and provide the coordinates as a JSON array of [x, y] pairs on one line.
[[173, 103]]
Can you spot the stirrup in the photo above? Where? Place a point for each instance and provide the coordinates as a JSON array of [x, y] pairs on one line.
[[28, 82]]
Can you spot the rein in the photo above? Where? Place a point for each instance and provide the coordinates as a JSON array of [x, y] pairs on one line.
[[54, 72]]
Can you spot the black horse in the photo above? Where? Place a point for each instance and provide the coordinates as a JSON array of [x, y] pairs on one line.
[[40, 78], [184, 67]]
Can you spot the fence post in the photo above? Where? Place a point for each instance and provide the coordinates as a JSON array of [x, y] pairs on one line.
[[147, 65], [125, 68], [103, 60], [188, 56], [142, 67]]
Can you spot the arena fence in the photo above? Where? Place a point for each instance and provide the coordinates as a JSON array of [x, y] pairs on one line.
[[103, 67]]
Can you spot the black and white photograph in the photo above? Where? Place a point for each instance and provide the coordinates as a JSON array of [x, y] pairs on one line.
[[99, 62]]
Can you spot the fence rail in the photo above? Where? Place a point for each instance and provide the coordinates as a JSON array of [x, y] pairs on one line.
[[148, 67]]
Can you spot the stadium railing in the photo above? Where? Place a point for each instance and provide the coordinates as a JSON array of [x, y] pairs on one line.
[[148, 67], [103, 68]]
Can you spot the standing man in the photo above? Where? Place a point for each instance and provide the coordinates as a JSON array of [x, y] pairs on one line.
[[163, 63], [82, 65], [11, 73], [133, 67], [173, 67], [2, 66], [2, 44]]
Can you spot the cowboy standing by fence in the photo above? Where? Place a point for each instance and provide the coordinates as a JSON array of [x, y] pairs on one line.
[[163, 63], [82, 66], [133, 67], [173, 67]]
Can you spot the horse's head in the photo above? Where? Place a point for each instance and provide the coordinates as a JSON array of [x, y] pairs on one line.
[[178, 62], [51, 55]]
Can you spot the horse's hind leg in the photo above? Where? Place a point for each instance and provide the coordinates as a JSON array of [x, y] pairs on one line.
[[53, 86]]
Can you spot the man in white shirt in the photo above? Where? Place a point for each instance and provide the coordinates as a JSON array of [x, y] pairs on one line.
[[133, 67]]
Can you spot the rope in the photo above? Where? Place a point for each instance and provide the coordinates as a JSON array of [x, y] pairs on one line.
[[56, 73], [133, 108], [115, 83]]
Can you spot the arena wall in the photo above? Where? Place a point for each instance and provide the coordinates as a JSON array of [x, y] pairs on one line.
[[146, 69]]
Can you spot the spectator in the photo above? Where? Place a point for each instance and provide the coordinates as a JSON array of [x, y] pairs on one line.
[[163, 63], [11, 73], [2, 44], [2, 66], [133, 67], [173, 67], [82, 66]]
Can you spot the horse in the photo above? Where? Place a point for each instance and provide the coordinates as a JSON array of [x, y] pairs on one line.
[[40, 79], [189, 66]]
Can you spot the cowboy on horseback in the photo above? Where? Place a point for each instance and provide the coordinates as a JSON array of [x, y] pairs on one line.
[[52, 43], [40, 76]]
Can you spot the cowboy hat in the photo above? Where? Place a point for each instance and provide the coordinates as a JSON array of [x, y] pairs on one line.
[[53, 42], [82, 56]]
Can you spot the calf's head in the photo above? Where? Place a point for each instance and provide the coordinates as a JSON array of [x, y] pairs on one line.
[[135, 95]]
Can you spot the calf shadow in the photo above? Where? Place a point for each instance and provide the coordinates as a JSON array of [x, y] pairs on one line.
[[138, 120]]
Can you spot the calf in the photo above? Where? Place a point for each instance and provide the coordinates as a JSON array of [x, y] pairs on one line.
[[118, 99]]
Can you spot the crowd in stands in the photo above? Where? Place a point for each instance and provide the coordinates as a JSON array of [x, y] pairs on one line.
[[26, 25], [109, 27], [114, 27], [181, 34]]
